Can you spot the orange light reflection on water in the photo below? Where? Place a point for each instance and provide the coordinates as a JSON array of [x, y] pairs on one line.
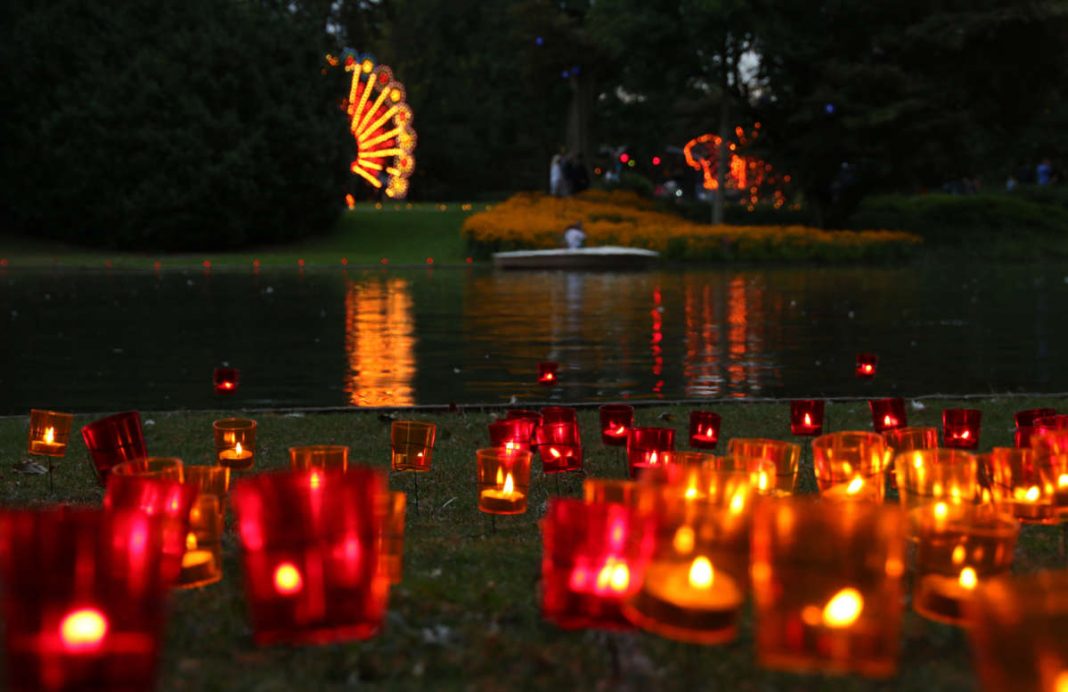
[[380, 343]]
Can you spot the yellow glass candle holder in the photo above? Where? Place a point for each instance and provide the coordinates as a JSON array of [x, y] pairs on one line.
[[503, 480], [326, 457], [164, 468], [602, 490], [412, 445], [849, 465], [49, 433], [391, 546], [927, 476], [235, 443], [827, 586], [958, 547], [1018, 486], [695, 585], [202, 560]]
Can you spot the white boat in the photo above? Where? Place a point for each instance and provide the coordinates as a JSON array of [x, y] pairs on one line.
[[604, 257]]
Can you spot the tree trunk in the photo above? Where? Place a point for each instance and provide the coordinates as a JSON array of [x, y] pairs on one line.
[[722, 166], [578, 115]]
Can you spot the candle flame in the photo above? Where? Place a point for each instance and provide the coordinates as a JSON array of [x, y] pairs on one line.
[[843, 609], [237, 449], [621, 430], [509, 485], [554, 452], [808, 419], [191, 541], [613, 577], [684, 539], [691, 488], [762, 481], [1060, 683], [316, 480], [653, 459], [701, 573], [511, 446], [709, 432], [959, 553], [941, 510], [500, 476], [287, 579], [855, 486], [50, 435], [1033, 493], [738, 502], [966, 434], [888, 420], [83, 630], [968, 578], [1062, 481]]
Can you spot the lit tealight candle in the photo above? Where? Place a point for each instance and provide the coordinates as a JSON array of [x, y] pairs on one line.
[[47, 445], [940, 597], [689, 601], [503, 500], [237, 454]]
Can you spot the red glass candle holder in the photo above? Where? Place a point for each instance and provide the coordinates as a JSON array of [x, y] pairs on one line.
[[590, 558], [558, 414], [202, 560], [1025, 424], [806, 417], [888, 414], [866, 365], [49, 433], [235, 443], [310, 551], [412, 445], [827, 586], [113, 440], [512, 433], [527, 413], [960, 428], [704, 429], [225, 380], [83, 601], [170, 500], [323, 457], [1056, 421], [547, 372], [646, 448], [503, 480], [559, 446], [616, 420]]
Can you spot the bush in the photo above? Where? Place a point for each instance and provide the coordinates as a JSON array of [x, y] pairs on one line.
[[174, 126]]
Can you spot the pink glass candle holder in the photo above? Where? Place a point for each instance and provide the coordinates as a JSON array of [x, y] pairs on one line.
[[310, 551], [849, 465], [547, 372], [646, 448], [559, 446], [960, 428], [590, 556], [235, 443], [225, 380], [113, 440], [759, 453], [503, 480], [866, 365], [831, 604], [323, 457], [49, 433], [412, 445], [512, 433], [202, 560], [616, 420], [704, 429], [1019, 487], [83, 601], [806, 417], [1025, 424], [887, 414]]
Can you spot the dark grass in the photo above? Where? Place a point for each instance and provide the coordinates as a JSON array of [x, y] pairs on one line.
[[466, 614]]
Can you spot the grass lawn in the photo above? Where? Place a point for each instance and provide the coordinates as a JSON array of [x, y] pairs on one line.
[[466, 615]]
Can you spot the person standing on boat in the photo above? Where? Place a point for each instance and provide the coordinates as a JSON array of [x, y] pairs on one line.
[[574, 236]]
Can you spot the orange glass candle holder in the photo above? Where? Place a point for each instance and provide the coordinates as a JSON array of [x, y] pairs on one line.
[[929, 476], [785, 458], [849, 465], [83, 603], [325, 457], [547, 372], [704, 429], [235, 443], [213, 480], [202, 560], [1019, 487], [49, 433], [590, 554], [163, 468], [512, 433], [391, 549], [958, 547], [646, 448], [113, 440], [310, 551], [559, 446], [1050, 446], [412, 445], [887, 414], [503, 480], [866, 365], [1025, 424], [225, 380], [901, 440], [616, 420], [960, 428], [806, 417], [688, 458], [832, 604], [620, 491]]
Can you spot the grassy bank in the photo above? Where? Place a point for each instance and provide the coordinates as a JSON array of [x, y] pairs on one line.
[[466, 614]]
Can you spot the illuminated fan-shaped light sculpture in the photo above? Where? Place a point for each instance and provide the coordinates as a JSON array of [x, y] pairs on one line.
[[381, 124], [745, 173]]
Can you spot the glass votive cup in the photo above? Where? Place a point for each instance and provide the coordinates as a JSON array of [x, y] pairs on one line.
[[559, 446], [958, 546], [866, 365], [1050, 447], [225, 380], [785, 455], [325, 457], [833, 604], [202, 560], [601, 490], [775, 477], [806, 417], [503, 480], [704, 429], [547, 372], [907, 439], [412, 445], [849, 465], [235, 443], [687, 457], [83, 603], [960, 428], [937, 475], [310, 544], [557, 414], [512, 433], [646, 448], [113, 440], [49, 433], [590, 554], [1019, 487], [529, 414], [887, 414], [391, 550], [213, 480], [163, 468], [1025, 424], [615, 421]]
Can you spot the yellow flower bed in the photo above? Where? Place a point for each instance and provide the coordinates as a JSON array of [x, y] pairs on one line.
[[536, 221]]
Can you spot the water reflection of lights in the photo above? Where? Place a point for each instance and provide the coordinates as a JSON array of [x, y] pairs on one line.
[[380, 343]]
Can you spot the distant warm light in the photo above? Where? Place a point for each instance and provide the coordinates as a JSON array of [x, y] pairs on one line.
[[83, 630], [287, 579]]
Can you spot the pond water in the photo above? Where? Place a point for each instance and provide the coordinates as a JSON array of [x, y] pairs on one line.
[[102, 341]]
